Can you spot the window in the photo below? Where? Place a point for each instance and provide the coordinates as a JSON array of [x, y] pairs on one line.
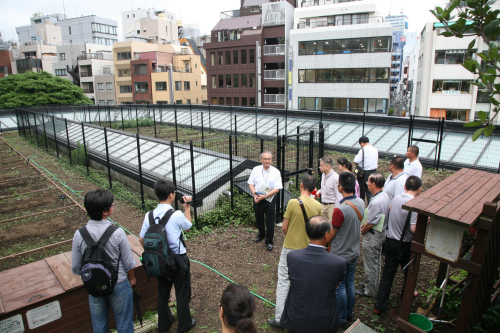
[[69, 28], [197, 83], [483, 96], [127, 16], [228, 80], [228, 35], [125, 89], [161, 86], [251, 52], [141, 87], [353, 45], [124, 72], [243, 56], [133, 15], [123, 55], [60, 72], [187, 85], [243, 101], [252, 80], [62, 56], [214, 81], [178, 85], [188, 101], [452, 57], [235, 57], [212, 58], [236, 101], [252, 101], [228, 101], [102, 102], [221, 81], [336, 75], [179, 101], [381, 44], [100, 87], [450, 87], [228, 57], [243, 80], [378, 105], [219, 56], [458, 115], [141, 69], [235, 80], [110, 102]]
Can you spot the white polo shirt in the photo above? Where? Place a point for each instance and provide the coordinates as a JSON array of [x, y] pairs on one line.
[[371, 158], [270, 178], [395, 185], [413, 168]]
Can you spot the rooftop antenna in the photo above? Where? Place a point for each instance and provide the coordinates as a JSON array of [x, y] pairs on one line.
[[64, 9]]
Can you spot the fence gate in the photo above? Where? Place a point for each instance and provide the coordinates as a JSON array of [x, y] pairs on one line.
[[430, 127], [295, 156]]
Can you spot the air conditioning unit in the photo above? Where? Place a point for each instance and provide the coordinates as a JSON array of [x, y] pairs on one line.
[[158, 70]]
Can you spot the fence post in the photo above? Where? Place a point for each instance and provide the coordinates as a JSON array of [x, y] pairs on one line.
[[121, 111], [140, 169], [283, 158], [99, 114], [174, 179], [191, 114], [161, 115], [321, 116], [256, 121], [231, 170], [364, 114], [202, 133], [278, 164], [107, 157], [230, 119], [209, 119], [235, 136], [297, 164], [154, 120], [261, 145], [29, 122], [55, 135], [193, 181], [410, 130], [137, 119], [440, 142], [176, 130], [311, 147], [321, 143], [85, 150], [45, 134], [286, 120], [277, 126], [67, 138], [90, 116], [109, 115]]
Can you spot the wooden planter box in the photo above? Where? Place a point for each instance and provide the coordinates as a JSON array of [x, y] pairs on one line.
[[38, 287]]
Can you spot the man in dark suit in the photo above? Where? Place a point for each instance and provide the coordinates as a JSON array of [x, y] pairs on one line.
[[311, 304]]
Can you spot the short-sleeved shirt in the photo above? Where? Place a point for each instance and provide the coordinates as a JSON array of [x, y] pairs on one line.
[[395, 185], [397, 218], [329, 191], [116, 247], [371, 158], [296, 237], [379, 205], [270, 178], [175, 224], [345, 219], [413, 168]]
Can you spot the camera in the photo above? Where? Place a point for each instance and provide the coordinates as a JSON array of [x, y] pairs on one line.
[[179, 196]]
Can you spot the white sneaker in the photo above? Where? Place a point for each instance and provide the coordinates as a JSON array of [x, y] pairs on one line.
[[280, 224]]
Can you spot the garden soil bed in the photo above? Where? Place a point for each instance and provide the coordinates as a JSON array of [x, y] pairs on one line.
[[229, 250]]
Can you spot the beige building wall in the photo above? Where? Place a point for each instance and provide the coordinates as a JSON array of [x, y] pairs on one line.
[[161, 95], [49, 33]]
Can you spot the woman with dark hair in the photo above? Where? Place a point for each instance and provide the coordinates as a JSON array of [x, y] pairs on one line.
[[236, 310], [344, 165]]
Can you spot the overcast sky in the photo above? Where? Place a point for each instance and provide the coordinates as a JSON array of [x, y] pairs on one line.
[[202, 12]]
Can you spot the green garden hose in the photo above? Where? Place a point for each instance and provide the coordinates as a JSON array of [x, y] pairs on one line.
[[63, 183]]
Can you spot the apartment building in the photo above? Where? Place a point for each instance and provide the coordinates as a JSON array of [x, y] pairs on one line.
[[152, 73], [341, 57], [443, 86], [150, 25], [78, 30]]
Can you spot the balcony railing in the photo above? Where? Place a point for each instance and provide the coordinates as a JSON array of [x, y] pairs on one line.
[[274, 74], [273, 14], [86, 74], [182, 69], [274, 99], [274, 49], [101, 56], [89, 90], [311, 3], [332, 22]]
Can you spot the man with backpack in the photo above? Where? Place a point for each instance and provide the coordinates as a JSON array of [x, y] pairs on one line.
[[101, 255], [168, 263]]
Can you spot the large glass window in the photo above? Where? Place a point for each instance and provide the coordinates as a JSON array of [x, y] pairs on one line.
[[452, 57], [360, 45], [483, 96], [353, 45], [450, 87], [459, 115], [381, 44], [343, 104], [358, 75], [161, 86]]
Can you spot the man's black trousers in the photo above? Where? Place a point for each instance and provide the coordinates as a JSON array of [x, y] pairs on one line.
[[182, 283], [391, 251], [363, 188], [269, 209]]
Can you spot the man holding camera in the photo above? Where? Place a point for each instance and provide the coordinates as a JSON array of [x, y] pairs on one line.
[[264, 183], [165, 191]]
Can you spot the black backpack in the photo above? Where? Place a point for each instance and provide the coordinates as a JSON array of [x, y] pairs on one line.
[[97, 271], [158, 259]]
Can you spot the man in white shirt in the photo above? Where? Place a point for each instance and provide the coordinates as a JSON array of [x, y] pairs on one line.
[[395, 183], [329, 192], [413, 167], [264, 183], [367, 158]]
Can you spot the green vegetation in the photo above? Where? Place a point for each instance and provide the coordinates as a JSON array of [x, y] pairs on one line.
[[31, 88]]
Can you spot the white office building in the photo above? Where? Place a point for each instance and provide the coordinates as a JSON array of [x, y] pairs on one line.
[[341, 58]]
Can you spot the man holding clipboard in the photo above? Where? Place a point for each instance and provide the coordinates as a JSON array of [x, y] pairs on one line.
[[264, 183], [373, 234]]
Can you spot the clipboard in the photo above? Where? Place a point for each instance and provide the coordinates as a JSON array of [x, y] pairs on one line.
[[379, 226]]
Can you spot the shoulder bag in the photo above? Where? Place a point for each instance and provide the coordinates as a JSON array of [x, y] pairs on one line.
[[359, 171]]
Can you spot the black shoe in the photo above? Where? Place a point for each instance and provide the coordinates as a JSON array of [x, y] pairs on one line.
[[360, 292], [193, 322], [350, 318], [274, 322], [343, 325], [258, 239], [269, 247]]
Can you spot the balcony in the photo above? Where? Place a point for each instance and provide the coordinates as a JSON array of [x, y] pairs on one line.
[[88, 90], [101, 56], [274, 49], [274, 99], [274, 74], [312, 3], [333, 21], [182, 69], [273, 14], [86, 73]]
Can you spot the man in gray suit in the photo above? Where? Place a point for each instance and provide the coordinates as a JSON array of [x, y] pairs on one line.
[[311, 304]]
